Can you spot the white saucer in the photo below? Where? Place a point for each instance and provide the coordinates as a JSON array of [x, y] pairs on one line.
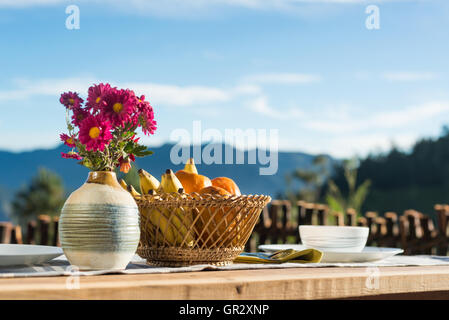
[[25, 254], [368, 254]]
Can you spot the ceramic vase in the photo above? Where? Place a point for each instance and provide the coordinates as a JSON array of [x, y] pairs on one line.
[[99, 224]]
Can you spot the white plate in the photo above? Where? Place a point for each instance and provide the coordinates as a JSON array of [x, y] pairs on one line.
[[368, 253], [24, 254]]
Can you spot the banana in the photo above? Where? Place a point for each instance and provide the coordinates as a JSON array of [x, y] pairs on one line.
[[147, 182], [159, 222], [182, 217], [170, 183], [123, 184], [133, 192], [190, 166], [183, 220]]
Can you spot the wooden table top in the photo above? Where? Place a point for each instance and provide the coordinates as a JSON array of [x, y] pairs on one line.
[[295, 283]]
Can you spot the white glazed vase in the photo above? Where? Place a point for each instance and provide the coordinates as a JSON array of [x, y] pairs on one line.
[[99, 224]]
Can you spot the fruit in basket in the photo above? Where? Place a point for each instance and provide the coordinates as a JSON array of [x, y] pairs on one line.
[[218, 225], [181, 217], [133, 192], [190, 166], [191, 180], [147, 182], [123, 184], [228, 184], [170, 182], [159, 221], [215, 191]]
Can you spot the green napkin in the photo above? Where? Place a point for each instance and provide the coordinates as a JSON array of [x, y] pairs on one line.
[[282, 256]]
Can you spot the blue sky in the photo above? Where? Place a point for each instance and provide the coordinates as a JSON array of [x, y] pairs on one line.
[[310, 69]]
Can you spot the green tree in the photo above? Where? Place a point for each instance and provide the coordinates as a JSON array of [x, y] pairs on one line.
[[44, 194], [355, 196]]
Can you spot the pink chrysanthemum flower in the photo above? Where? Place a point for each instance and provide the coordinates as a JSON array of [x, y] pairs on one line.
[[71, 100], [119, 106], [95, 133], [96, 94], [79, 114], [145, 116], [71, 155], [68, 140]]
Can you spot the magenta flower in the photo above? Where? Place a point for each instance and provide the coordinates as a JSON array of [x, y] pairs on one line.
[[145, 116], [79, 114], [71, 155], [96, 94], [68, 140], [95, 133], [71, 100], [119, 106]]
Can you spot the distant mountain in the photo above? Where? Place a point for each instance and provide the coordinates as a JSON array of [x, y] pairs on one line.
[[20, 167]]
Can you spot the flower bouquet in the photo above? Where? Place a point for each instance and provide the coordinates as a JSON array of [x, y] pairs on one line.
[[99, 224], [103, 131]]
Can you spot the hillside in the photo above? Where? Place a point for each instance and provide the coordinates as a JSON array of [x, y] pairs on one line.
[[22, 166]]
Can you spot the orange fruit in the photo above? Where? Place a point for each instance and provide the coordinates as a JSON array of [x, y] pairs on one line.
[[218, 226], [227, 184], [192, 182], [215, 191]]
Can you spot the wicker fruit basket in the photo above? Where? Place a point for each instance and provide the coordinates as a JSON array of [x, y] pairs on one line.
[[188, 229]]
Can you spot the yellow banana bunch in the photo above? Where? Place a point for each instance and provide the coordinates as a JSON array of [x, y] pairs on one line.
[[149, 185], [133, 192], [182, 218], [123, 184], [170, 183], [147, 182]]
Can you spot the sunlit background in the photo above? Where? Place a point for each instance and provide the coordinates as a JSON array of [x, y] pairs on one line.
[[308, 68]]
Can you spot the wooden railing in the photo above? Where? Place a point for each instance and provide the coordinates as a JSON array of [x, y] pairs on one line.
[[44, 231], [413, 231]]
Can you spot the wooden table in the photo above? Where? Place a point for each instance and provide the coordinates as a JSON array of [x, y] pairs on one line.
[[298, 283]]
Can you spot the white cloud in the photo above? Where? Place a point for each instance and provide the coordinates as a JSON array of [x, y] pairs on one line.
[[282, 78], [378, 120], [409, 76], [178, 95], [260, 105], [25, 88], [346, 146], [164, 94]]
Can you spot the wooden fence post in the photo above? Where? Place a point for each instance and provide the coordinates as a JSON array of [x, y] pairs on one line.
[[392, 232], [31, 232], [16, 235], [370, 217], [55, 240], [44, 225], [351, 216], [322, 211], [5, 232], [442, 218]]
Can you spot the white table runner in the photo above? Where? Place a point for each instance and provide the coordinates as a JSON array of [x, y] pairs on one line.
[[61, 267]]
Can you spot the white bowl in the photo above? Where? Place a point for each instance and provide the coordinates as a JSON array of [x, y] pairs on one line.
[[334, 238]]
